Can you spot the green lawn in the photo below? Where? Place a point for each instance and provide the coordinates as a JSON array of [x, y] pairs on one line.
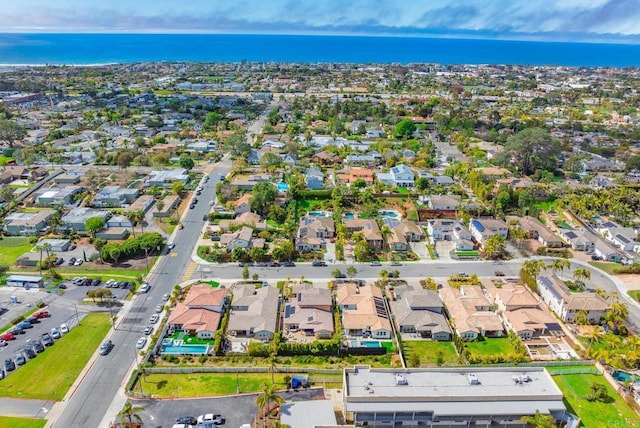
[[428, 351], [635, 295], [51, 374], [10, 422], [545, 205], [11, 248], [608, 267], [593, 414], [490, 346], [86, 270], [307, 204], [212, 384]]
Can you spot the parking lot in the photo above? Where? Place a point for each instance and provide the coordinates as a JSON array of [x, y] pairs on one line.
[[237, 410], [65, 308]]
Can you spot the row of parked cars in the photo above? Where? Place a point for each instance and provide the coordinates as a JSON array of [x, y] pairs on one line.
[[32, 347], [111, 283], [267, 264], [209, 420]]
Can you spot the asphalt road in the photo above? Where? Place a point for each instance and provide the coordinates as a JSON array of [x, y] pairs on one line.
[[429, 268], [90, 402]]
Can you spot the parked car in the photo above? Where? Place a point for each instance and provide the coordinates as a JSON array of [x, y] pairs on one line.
[[205, 217], [192, 206], [288, 264], [499, 273], [78, 262], [339, 275], [20, 359], [55, 333], [47, 340], [105, 347], [463, 274], [59, 261], [165, 297], [3, 343], [318, 263], [96, 282], [9, 365], [148, 330], [376, 263], [396, 264], [33, 320], [145, 287], [159, 308], [171, 246], [154, 318], [189, 420], [25, 325], [2, 374], [7, 336], [30, 353], [16, 331], [72, 260], [211, 418], [64, 328], [141, 342], [37, 346]]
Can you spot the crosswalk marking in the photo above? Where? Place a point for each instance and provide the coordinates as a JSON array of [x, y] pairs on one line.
[[189, 271]]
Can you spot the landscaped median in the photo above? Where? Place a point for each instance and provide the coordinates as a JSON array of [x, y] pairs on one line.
[[51, 374]]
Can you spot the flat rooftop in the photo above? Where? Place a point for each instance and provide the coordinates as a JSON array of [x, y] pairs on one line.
[[433, 385]]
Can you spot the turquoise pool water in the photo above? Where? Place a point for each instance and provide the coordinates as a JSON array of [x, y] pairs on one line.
[[185, 349], [349, 216], [366, 344], [318, 214], [283, 187], [390, 214], [624, 376]]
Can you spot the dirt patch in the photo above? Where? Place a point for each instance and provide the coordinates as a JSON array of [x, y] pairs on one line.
[[632, 282]]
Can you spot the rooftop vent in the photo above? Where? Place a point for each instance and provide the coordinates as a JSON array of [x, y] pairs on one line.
[[473, 379]]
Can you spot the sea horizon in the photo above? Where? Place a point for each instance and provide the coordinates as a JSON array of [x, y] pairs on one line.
[[99, 49]]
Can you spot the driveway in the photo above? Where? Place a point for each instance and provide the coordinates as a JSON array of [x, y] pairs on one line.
[[330, 254], [443, 249], [420, 248]]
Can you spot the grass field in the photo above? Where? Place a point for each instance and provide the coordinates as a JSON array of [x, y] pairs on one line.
[[490, 346], [594, 414], [545, 205], [635, 295], [12, 248], [214, 384], [50, 375], [9, 422], [307, 204], [428, 351], [608, 267]]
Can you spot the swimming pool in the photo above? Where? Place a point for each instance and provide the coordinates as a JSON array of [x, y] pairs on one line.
[[390, 214], [185, 349], [283, 187], [366, 344], [349, 216], [621, 376], [318, 214]]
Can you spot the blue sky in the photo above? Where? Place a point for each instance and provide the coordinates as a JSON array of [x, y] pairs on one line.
[[528, 19]]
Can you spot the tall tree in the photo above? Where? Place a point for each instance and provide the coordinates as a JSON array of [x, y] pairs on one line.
[[93, 225], [131, 413], [539, 420], [264, 400], [11, 131], [529, 150], [262, 195]]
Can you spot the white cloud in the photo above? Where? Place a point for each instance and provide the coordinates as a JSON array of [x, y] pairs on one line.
[[616, 17]]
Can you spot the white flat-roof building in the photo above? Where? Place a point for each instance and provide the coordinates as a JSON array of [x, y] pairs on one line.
[[449, 397]]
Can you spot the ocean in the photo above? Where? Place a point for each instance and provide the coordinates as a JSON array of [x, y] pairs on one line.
[[128, 48]]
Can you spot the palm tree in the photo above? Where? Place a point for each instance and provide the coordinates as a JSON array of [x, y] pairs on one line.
[[582, 274], [533, 267], [539, 420], [130, 412], [596, 334], [264, 399], [559, 265]]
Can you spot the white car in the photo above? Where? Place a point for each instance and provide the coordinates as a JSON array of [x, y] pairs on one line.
[[144, 287], [78, 262], [55, 333], [165, 297], [141, 342], [64, 328], [211, 418], [148, 330], [154, 319]]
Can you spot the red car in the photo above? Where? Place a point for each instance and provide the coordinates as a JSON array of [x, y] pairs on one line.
[[42, 314], [7, 336]]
